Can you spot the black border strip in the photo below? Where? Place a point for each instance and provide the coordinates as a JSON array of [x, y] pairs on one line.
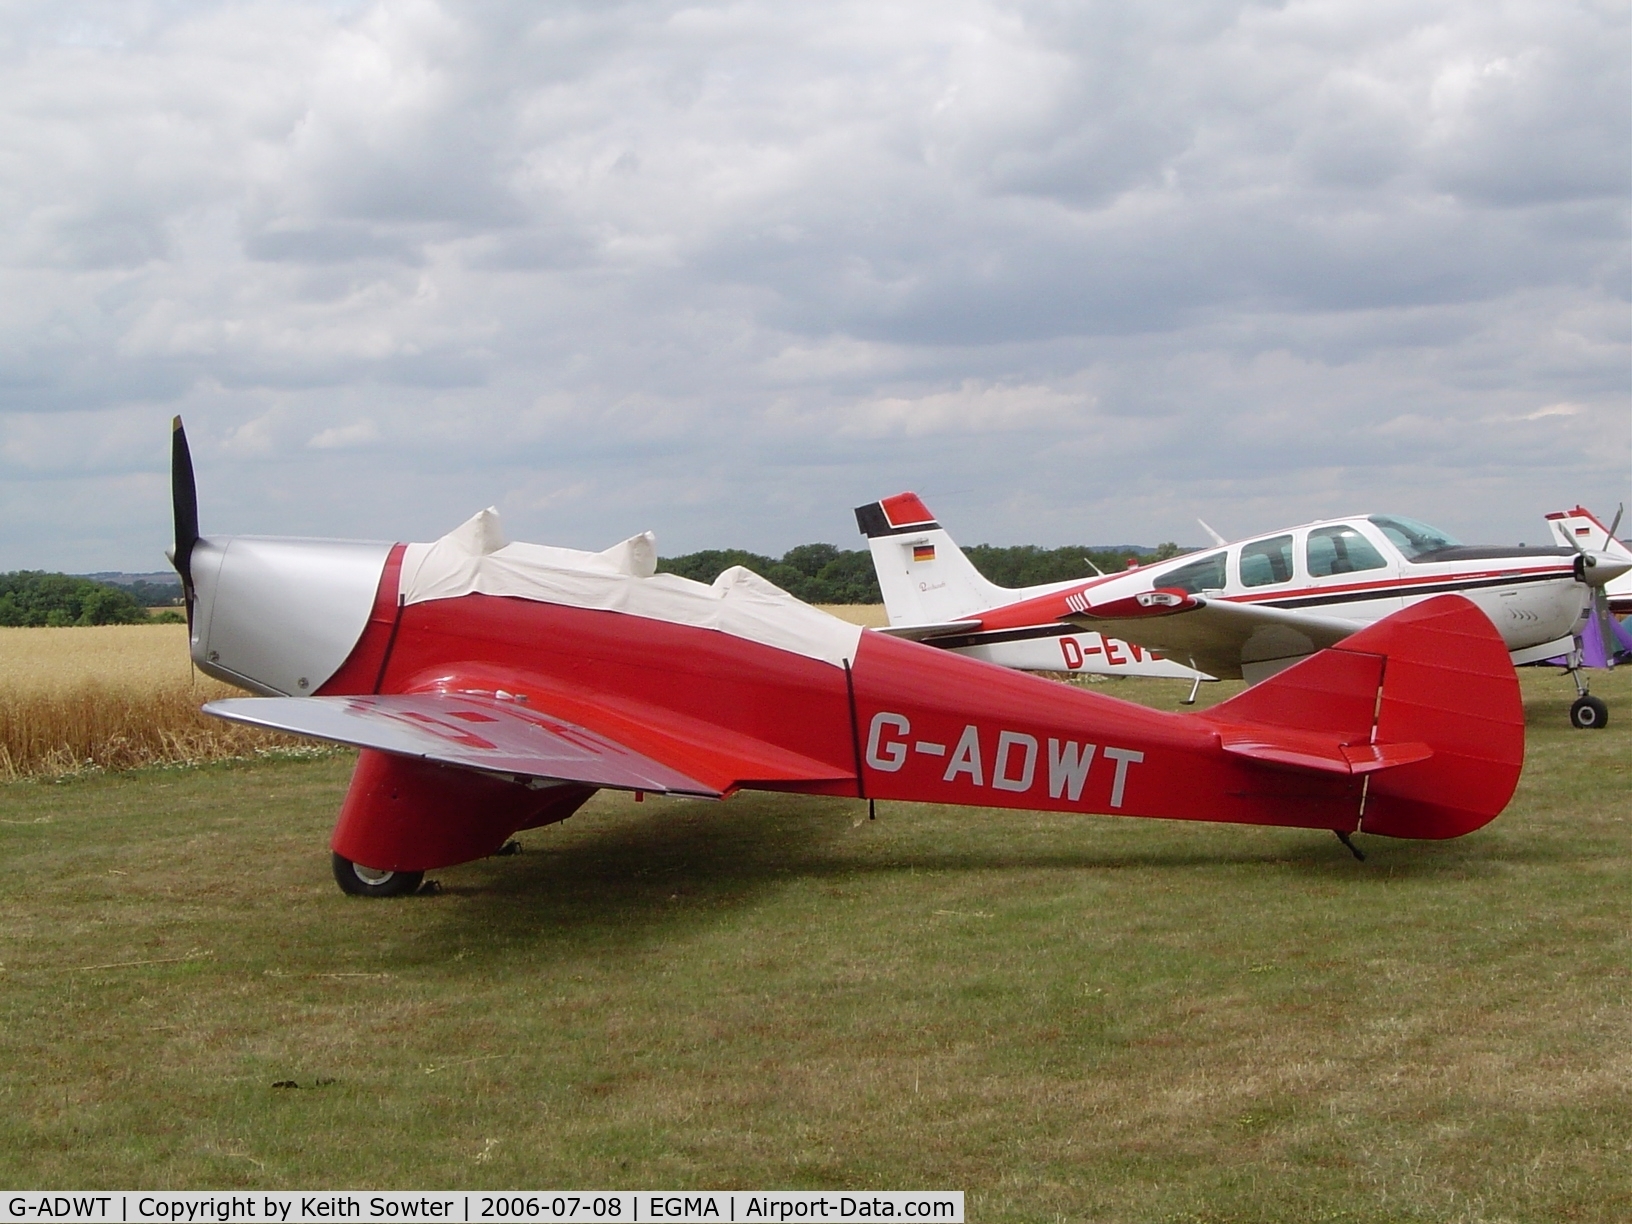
[[390, 642], [855, 728]]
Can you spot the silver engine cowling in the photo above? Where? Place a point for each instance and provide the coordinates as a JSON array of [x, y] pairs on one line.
[[279, 616]]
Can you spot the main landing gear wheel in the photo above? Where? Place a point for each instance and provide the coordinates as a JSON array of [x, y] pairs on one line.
[[362, 881], [1589, 712]]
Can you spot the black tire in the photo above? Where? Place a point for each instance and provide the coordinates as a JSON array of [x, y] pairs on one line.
[[1589, 713], [360, 881]]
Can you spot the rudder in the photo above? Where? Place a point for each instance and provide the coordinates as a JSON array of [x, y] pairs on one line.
[[923, 574], [1424, 703], [1450, 683]]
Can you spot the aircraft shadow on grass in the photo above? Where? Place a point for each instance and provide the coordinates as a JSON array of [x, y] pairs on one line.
[[667, 868]]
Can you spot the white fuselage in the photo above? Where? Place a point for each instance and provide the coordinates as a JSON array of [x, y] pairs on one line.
[[1531, 595], [1346, 568]]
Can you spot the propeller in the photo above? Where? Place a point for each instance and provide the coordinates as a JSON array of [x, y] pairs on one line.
[[1600, 599], [184, 504]]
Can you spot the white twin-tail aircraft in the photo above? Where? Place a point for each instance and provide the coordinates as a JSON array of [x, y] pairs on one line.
[[1245, 610]]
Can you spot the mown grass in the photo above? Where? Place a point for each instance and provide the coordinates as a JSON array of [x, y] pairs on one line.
[[1069, 1018]]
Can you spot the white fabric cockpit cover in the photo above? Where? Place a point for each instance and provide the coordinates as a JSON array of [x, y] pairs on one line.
[[475, 559]]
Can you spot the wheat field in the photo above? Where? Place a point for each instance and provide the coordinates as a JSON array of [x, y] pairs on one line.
[[869, 616], [111, 697]]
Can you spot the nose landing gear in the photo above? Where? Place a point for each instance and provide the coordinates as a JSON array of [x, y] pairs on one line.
[[1586, 712]]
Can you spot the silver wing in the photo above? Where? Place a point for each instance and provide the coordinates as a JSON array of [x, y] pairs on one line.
[[1224, 639], [469, 731]]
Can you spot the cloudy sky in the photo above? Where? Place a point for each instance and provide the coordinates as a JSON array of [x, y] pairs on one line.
[[1075, 271]]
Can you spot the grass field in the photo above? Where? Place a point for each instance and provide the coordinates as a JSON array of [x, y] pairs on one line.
[[1070, 1018]]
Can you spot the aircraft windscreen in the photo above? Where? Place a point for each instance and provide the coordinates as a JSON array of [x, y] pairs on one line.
[[1206, 574], [1411, 537]]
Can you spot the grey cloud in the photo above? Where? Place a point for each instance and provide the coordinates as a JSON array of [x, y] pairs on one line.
[[732, 269], [330, 242]]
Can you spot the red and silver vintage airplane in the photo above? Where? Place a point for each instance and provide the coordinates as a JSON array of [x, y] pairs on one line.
[[494, 687], [1240, 611]]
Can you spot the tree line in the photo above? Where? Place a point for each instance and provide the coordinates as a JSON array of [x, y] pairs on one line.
[[153, 594], [36, 598]]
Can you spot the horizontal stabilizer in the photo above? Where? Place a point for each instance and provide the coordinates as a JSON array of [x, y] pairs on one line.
[[1322, 754], [1369, 758]]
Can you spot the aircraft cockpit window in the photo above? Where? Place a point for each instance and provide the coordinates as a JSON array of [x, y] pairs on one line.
[[1204, 575], [1411, 537], [1341, 550], [1266, 562]]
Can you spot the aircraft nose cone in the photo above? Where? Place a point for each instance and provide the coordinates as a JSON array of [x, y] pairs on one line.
[[1599, 569]]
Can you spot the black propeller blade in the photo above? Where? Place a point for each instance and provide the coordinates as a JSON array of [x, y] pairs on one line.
[[1600, 596], [184, 501]]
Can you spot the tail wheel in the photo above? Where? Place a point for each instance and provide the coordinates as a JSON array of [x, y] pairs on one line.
[[360, 881], [1589, 712]]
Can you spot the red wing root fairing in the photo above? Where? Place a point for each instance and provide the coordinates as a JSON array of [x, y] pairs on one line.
[[494, 687]]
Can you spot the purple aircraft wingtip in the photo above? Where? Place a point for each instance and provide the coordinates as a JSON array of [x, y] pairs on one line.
[[1596, 650]]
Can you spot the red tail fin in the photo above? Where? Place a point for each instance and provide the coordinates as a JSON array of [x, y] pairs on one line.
[[1425, 703]]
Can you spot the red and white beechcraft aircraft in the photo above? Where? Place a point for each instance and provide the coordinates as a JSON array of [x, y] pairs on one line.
[[494, 687], [1239, 611]]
